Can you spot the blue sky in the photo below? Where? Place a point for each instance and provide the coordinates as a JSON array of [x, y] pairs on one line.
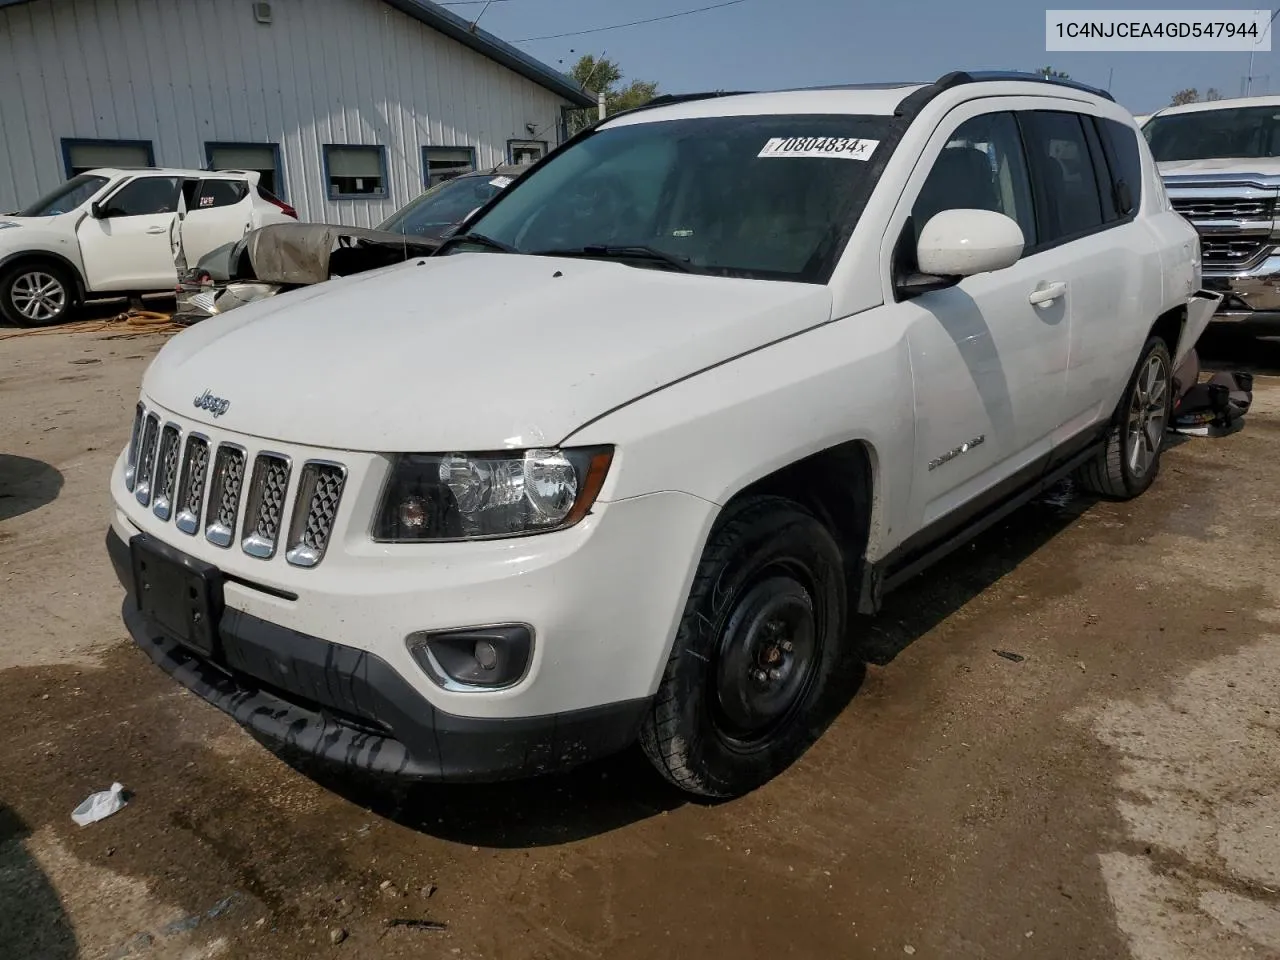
[[762, 44]]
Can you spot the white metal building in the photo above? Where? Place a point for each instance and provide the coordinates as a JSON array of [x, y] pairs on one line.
[[349, 108]]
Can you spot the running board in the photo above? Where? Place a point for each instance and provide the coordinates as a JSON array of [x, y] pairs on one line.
[[892, 572]]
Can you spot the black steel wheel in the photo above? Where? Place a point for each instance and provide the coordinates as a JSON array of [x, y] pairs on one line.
[[754, 653]]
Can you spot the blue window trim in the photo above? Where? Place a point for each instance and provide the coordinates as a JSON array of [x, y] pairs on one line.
[[282, 189], [511, 144], [426, 165], [70, 142], [382, 160]]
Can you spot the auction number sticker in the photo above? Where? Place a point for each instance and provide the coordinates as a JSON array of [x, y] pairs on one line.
[[835, 148]]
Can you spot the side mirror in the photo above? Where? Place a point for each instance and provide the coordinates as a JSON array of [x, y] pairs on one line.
[[97, 210], [961, 243]]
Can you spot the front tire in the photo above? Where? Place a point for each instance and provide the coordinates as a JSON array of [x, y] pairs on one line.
[[754, 654], [1130, 458], [36, 295]]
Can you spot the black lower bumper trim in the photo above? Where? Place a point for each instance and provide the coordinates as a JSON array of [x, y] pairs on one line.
[[348, 706]]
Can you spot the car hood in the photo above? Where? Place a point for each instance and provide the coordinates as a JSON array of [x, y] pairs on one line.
[[1264, 167], [468, 352]]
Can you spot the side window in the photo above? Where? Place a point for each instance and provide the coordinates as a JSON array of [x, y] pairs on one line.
[[1121, 145], [220, 193], [1067, 198], [981, 167], [146, 195]]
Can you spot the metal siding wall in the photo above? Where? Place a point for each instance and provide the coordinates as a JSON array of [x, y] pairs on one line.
[[183, 72]]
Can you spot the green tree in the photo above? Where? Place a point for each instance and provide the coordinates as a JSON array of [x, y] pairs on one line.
[[1051, 74], [1189, 95], [1212, 94], [602, 75]]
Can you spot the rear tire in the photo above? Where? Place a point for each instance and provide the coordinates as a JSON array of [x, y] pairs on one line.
[[1130, 458], [36, 294], [754, 654]]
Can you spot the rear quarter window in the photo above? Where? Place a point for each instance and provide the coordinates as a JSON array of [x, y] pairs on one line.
[[1121, 144]]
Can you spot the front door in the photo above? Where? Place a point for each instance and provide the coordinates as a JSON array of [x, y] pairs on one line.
[[126, 246], [989, 354]]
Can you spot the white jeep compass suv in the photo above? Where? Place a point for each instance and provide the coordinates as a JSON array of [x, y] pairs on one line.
[[622, 460]]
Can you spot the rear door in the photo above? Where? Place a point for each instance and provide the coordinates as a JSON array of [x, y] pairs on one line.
[[219, 211], [1089, 239], [126, 245]]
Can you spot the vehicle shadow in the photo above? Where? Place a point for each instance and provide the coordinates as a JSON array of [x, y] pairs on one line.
[[924, 602], [26, 485], [33, 925], [612, 793]]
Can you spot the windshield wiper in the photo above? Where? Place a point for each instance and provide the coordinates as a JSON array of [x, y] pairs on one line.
[[480, 240], [626, 252]]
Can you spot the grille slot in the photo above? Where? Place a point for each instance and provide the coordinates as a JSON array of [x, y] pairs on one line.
[[131, 464], [315, 510], [1225, 208], [195, 469], [264, 508], [166, 471], [1231, 251], [146, 465], [224, 495]]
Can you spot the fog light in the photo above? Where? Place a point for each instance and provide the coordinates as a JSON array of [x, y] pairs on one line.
[[486, 654], [475, 658]]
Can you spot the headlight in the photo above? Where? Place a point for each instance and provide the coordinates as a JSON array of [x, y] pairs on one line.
[[471, 496]]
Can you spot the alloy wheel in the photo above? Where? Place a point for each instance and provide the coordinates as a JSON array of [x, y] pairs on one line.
[[38, 296], [1148, 415]]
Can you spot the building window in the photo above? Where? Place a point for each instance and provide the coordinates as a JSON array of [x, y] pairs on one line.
[[445, 163], [522, 152], [79, 156], [260, 158], [355, 172]]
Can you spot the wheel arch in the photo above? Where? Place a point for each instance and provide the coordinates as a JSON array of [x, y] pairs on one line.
[[1169, 326], [24, 257], [839, 486]]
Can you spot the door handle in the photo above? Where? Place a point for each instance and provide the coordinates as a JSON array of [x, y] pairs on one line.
[[157, 230], [1047, 293]]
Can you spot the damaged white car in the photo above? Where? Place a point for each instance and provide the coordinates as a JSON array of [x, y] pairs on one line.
[[623, 458]]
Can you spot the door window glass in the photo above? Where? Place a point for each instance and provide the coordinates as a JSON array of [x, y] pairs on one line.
[[220, 193], [146, 195], [1067, 190], [981, 168]]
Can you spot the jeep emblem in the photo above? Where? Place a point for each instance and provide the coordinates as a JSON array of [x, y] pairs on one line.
[[215, 405]]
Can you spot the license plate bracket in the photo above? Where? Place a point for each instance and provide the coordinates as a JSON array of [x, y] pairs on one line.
[[179, 594]]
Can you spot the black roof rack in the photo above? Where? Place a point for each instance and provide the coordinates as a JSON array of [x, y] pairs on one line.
[[979, 76]]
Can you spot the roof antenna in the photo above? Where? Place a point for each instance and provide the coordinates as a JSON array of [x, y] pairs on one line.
[[481, 14]]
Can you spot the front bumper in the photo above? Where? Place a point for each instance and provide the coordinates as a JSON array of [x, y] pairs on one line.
[[349, 707], [1250, 297]]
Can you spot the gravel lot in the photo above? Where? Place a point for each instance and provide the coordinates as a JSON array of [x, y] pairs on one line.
[[1114, 794]]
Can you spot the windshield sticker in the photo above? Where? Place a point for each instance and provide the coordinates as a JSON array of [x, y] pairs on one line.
[[838, 148], [500, 182]]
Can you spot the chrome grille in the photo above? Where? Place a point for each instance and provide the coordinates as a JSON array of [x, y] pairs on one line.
[[131, 464], [146, 465], [195, 467], [265, 507], [184, 478], [1225, 208], [314, 512], [224, 495], [166, 471], [1231, 251]]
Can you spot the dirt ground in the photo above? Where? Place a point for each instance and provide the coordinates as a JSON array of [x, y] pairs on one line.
[[1114, 794]]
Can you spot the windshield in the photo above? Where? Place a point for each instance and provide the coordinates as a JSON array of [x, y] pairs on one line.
[[66, 197], [442, 206], [766, 197], [1241, 132]]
